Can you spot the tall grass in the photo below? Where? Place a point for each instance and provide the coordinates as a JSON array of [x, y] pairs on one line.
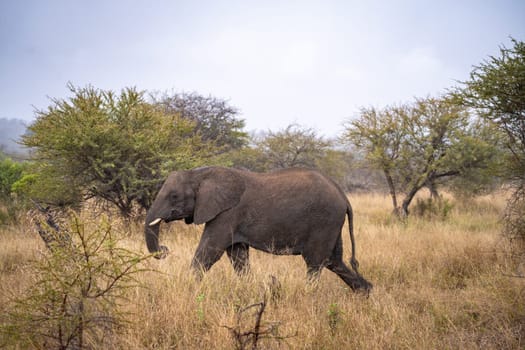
[[437, 284]]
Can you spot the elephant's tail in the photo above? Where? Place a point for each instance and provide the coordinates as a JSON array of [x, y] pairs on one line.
[[353, 261]]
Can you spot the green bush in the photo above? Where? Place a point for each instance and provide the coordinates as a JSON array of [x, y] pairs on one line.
[[80, 286], [114, 148], [10, 204], [432, 208]]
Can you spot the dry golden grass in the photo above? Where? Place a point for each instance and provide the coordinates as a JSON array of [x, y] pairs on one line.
[[443, 284]]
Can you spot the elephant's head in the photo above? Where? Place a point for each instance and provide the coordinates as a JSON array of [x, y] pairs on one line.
[[197, 196]]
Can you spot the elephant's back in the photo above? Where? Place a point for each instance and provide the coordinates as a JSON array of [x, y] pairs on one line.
[[301, 188], [299, 178]]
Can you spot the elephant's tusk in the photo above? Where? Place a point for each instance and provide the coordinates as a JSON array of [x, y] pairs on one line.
[[155, 222]]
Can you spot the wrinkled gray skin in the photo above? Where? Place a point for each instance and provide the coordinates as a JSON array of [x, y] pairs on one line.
[[293, 211]]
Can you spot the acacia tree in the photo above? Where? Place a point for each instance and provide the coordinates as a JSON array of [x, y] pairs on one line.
[[115, 148], [294, 146], [380, 134], [420, 145], [496, 90], [214, 119]]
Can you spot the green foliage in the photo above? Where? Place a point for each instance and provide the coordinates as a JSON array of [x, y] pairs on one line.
[[334, 317], [380, 135], [337, 164], [213, 119], [48, 185], [200, 307], [294, 146], [114, 148], [481, 159], [423, 144], [250, 158], [80, 286], [446, 142], [496, 90], [432, 208], [10, 173]]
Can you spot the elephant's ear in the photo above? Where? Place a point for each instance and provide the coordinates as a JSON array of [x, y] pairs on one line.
[[219, 191]]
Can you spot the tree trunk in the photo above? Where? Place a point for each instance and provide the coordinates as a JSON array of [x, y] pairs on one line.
[[433, 190], [392, 189], [408, 199]]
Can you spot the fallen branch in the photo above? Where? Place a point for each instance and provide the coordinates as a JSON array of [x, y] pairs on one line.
[[259, 330]]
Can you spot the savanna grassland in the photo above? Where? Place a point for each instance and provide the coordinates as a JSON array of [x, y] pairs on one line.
[[438, 284]]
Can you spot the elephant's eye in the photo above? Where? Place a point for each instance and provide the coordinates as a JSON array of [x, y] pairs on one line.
[[173, 196]]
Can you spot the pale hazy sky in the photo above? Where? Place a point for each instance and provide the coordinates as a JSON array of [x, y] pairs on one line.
[[310, 62]]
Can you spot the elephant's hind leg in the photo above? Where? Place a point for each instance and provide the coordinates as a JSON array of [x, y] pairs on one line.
[[350, 277], [239, 257], [353, 279], [314, 265]]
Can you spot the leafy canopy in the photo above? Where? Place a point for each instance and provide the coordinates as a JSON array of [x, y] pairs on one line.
[[294, 146], [213, 119], [421, 145], [115, 148], [496, 90]]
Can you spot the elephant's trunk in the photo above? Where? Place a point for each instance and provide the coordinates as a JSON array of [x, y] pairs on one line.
[[151, 233]]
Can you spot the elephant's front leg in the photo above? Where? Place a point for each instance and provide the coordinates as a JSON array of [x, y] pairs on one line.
[[208, 253], [239, 257]]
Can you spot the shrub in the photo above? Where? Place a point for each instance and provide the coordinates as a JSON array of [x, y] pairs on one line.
[[10, 173], [80, 282], [431, 208]]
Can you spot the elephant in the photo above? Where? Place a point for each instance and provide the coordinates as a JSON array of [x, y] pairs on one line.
[[294, 211]]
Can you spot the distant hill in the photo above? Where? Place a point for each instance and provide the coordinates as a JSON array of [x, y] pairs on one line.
[[10, 132]]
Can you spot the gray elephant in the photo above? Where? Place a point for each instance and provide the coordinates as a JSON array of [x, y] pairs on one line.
[[291, 211]]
